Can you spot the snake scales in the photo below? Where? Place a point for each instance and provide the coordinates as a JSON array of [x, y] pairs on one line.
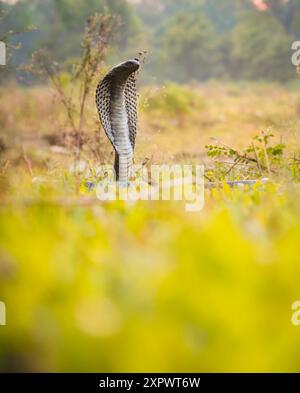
[[116, 100]]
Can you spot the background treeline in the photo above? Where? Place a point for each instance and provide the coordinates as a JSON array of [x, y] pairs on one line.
[[187, 39]]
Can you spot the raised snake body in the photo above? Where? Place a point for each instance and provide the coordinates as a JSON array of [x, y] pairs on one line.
[[116, 101]]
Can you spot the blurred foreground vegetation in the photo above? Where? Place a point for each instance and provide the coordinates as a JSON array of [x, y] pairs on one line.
[[147, 286]]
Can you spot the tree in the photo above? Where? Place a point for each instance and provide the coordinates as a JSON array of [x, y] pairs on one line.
[[223, 14], [261, 49], [287, 13], [60, 25], [187, 44]]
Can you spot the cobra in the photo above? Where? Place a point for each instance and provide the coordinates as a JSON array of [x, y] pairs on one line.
[[116, 101]]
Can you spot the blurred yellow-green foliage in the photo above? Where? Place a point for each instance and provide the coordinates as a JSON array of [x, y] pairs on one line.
[[147, 286], [150, 287], [174, 99]]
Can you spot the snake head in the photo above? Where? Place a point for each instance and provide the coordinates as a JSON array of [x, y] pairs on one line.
[[123, 70]]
